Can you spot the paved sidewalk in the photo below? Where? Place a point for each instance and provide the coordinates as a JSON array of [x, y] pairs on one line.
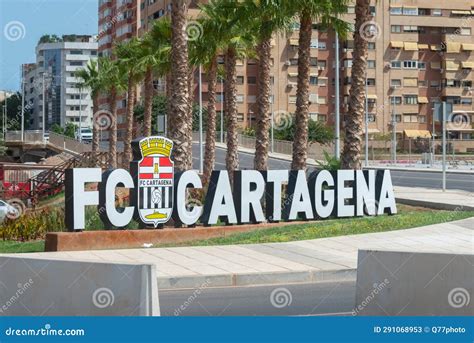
[[323, 259], [435, 198]]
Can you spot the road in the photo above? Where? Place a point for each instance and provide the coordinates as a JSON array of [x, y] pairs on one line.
[[426, 179], [278, 300]]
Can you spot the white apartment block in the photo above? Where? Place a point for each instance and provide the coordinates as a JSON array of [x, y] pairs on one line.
[[56, 63]]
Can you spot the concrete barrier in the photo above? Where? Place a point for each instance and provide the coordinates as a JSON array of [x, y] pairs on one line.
[[414, 284], [48, 287]]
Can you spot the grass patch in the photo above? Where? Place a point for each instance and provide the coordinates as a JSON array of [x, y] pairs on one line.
[[407, 217], [21, 247]]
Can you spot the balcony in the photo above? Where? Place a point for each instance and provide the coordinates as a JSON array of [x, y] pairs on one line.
[[70, 57], [452, 91]]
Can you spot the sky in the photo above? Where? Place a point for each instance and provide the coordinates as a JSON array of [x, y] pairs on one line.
[[23, 22]]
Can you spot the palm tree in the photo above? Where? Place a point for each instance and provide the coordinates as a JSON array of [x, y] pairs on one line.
[[238, 41], [266, 17], [127, 59], [180, 130], [114, 84], [204, 51], [90, 78], [155, 59], [353, 129], [327, 13]]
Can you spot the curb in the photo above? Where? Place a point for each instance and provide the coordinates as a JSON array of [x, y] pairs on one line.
[[254, 279], [448, 171], [434, 205]]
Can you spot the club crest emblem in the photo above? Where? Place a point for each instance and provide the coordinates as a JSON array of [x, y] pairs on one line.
[[155, 180]]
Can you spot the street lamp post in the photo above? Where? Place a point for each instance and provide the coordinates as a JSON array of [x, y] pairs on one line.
[[443, 118], [394, 133], [80, 114], [44, 104], [337, 152], [22, 105]]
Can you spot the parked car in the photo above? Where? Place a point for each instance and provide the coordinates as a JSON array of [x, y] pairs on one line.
[[84, 134], [7, 210], [46, 137]]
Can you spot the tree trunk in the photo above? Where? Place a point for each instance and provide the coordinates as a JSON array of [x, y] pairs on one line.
[[210, 152], [353, 129], [148, 102], [190, 104], [113, 130], [263, 106], [232, 157], [179, 129], [95, 126], [127, 144], [300, 143], [169, 86]]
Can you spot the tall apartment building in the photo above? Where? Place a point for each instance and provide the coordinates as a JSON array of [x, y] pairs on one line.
[[64, 100], [421, 52]]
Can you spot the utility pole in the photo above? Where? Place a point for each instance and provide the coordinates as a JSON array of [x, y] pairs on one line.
[[394, 133], [22, 104], [44, 104], [201, 159], [337, 152], [443, 118], [80, 114]]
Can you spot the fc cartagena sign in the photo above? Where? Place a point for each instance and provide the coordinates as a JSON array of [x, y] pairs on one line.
[[158, 193]]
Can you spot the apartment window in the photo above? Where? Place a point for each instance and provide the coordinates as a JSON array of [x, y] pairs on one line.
[[313, 116], [395, 83], [251, 99], [351, 9], [240, 98], [466, 101], [240, 117], [396, 100], [322, 117], [436, 12], [424, 11], [398, 118], [293, 61], [372, 10], [239, 62], [410, 11], [465, 31], [396, 10], [370, 82], [292, 99], [321, 64], [251, 61], [321, 100], [371, 46], [410, 64], [322, 45], [422, 119], [422, 65], [466, 83], [395, 64], [313, 61], [347, 63], [313, 80], [322, 82], [371, 64], [75, 63], [251, 80], [94, 52], [410, 99], [410, 28], [240, 80], [75, 52], [314, 43], [410, 118], [422, 83], [434, 84], [410, 82], [219, 97], [396, 28]]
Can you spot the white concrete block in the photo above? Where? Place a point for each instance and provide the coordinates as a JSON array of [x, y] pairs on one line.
[[42, 287]]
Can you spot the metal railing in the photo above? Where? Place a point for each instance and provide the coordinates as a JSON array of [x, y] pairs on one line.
[[68, 144], [30, 136]]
